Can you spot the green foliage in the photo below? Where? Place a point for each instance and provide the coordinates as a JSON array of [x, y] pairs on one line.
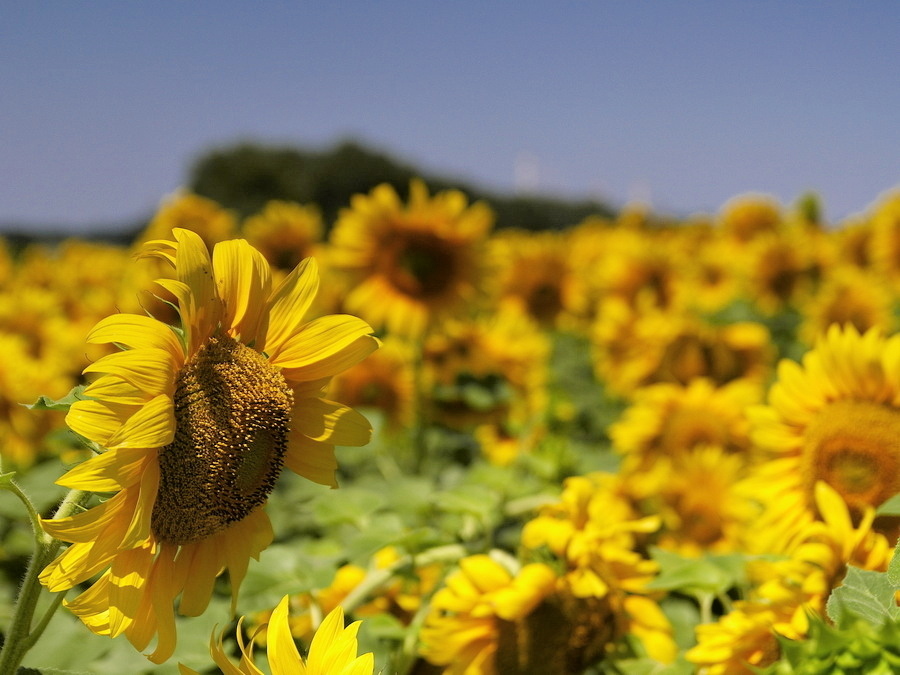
[[711, 574], [865, 595], [244, 177], [858, 648], [63, 404]]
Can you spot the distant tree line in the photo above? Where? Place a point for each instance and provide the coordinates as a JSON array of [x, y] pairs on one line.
[[245, 176]]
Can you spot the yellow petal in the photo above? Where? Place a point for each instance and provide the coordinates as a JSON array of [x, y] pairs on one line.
[[330, 422], [152, 426], [86, 526], [194, 269], [312, 460], [98, 420], [109, 472], [206, 563], [283, 654], [128, 575], [324, 347], [289, 304], [137, 332], [150, 370], [244, 282]]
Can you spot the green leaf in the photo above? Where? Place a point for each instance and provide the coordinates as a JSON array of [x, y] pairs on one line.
[[864, 594], [893, 570], [47, 403], [711, 574], [889, 508]]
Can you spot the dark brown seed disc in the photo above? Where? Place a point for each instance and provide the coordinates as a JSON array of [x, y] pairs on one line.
[[232, 416]]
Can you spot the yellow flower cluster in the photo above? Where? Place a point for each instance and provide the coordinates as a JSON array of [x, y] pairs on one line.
[[735, 378]]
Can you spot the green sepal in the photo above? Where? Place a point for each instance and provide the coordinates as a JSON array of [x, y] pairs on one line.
[[63, 404]]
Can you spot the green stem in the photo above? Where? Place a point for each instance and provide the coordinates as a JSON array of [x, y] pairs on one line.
[[20, 636], [375, 579]]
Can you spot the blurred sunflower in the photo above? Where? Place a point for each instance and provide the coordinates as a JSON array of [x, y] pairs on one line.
[[595, 532], [779, 271], [490, 370], [333, 650], [632, 349], [849, 295], [383, 381], [194, 426], [835, 418], [747, 216], [190, 211], [412, 263], [786, 592], [535, 271], [884, 243], [670, 420], [285, 233]]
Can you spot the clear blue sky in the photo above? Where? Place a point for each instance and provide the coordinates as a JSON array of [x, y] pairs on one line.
[[103, 105]]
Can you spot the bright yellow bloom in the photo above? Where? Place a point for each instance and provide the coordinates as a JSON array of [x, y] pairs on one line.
[[412, 263], [463, 628], [785, 592], [332, 652], [193, 427], [835, 418]]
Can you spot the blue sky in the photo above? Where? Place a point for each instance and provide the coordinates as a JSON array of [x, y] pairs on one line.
[[103, 105]]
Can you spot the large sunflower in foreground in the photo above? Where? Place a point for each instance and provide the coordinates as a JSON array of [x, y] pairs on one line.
[[835, 418], [410, 263], [194, 426]]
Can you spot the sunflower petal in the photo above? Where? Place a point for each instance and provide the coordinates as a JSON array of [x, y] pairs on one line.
[[282, 652], [330, 422], [113, 470], [312, 460], [98, 420], [137, 332], [244, 282], [324, 347], [150, 370], [289, 304], [152, 426], [194, 269]]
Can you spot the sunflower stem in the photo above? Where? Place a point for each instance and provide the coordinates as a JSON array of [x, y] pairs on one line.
[[375, 579], [20, 637]]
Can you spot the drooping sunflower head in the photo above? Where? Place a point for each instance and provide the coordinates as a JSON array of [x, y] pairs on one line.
[[193, 425], [413, 262], [834, 418]]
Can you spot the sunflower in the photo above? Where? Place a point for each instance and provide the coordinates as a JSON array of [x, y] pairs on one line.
[[780, 271], [786, 592], [490, 370], [332, 651], [535, 271], [410, 264], [194, 426], [747, 216], [848, 295], [189, 211], [471, 622], [285, 233], [884, 243], [834, 418]]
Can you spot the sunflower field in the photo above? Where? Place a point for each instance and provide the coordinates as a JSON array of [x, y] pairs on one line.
[[408, 443]]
